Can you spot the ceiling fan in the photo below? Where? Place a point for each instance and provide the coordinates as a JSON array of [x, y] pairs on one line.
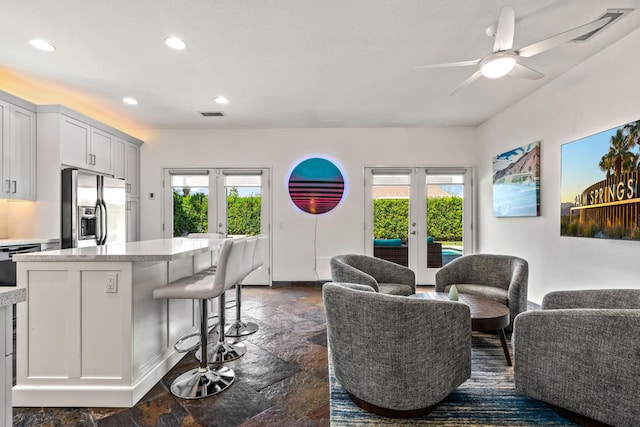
[[503, 60]]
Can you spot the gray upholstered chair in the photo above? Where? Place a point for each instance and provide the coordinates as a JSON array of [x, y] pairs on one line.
[[383, 276], [581, 353], [503, 278], [380, 360]]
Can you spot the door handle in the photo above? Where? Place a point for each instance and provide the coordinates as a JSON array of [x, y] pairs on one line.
[[14, 185], [105, 233], [8, 186], [98, 223]]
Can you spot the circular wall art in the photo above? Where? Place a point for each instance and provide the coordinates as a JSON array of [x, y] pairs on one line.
[[316, 185]]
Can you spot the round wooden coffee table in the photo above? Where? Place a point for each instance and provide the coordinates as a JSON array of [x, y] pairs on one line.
[[486, 314]]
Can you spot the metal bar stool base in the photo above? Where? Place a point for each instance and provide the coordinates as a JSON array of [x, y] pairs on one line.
[[224, 352], [241, 329], [198, 383]]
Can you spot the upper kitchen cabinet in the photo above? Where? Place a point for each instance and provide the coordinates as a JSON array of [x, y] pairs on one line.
[[84, 142], [118, 152], [132, 172], [18, 143], [84, 146]]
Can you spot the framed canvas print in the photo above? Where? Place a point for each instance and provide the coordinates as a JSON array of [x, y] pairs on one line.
[[516, 182], [599, 185]]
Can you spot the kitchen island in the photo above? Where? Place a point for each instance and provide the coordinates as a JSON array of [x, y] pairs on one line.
[[91, 334], [9, 296]]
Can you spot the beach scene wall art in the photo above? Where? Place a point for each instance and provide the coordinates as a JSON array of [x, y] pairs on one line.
[[516, 182], [599, 185]]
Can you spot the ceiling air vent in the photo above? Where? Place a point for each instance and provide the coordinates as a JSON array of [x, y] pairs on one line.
[[212, 113], [612, 14]]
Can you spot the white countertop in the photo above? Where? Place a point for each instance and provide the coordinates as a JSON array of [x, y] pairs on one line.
[[26, 241], [147, 250], [11, 295]]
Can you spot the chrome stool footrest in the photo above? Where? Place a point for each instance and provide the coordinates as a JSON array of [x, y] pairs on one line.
[[187, 343], [224, 352]]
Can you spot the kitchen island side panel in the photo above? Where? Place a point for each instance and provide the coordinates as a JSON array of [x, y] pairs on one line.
[[79, 345]]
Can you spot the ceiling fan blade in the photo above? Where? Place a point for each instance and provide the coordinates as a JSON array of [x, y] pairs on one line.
[[520, 70], [472, 78], [449, 64], [505, 30], [558, 39]]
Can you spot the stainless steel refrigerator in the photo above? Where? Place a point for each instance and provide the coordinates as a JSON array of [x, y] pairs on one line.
[[93, 209]]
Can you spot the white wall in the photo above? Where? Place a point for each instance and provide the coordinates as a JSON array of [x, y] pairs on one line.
[[338, 231], [600, 94]]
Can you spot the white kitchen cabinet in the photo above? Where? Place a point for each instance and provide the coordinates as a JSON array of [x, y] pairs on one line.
[[18, 143], [101, 150], [75, 143], [118, 151], [132, 208], [132, 173], [86, 147]]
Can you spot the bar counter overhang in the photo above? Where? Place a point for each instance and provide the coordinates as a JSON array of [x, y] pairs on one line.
[[79, 344]]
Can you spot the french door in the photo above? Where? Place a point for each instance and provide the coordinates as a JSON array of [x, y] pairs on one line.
[[232, 202], [420, 217]]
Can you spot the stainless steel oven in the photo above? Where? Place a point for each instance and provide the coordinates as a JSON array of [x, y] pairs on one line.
[[7, 266]]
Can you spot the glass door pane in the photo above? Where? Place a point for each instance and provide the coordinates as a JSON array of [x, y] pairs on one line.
[[445, 214], [390, 195], [242, 210], [243, 204], [190, 203]]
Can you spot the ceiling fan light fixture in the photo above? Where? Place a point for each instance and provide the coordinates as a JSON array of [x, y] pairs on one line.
[[497, 66]]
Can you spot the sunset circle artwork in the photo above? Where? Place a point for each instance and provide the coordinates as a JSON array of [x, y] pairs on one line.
[[316, 185]]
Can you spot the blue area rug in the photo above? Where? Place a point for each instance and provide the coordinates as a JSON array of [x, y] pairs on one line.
[[488, 398]]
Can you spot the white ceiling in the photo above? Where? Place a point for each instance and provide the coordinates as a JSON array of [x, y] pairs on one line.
[[288, 63]]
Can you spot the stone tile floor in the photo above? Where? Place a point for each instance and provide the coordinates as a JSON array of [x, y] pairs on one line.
[[281, 381]]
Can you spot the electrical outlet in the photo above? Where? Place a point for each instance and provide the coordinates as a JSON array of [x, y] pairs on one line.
[[112, 283]]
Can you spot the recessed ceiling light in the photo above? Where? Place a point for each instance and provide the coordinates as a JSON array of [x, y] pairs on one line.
[[42, 45], [175, 43], [129, 101], [222, 100]]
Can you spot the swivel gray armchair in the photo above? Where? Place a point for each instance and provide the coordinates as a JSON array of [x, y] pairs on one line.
[[581, 353], [503, 278], [380, 360], [383, 276]]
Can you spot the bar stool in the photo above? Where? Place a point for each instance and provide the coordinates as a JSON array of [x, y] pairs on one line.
[[238, 328], [227, 350], [215, 254], [202, 381], [214, 261]]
